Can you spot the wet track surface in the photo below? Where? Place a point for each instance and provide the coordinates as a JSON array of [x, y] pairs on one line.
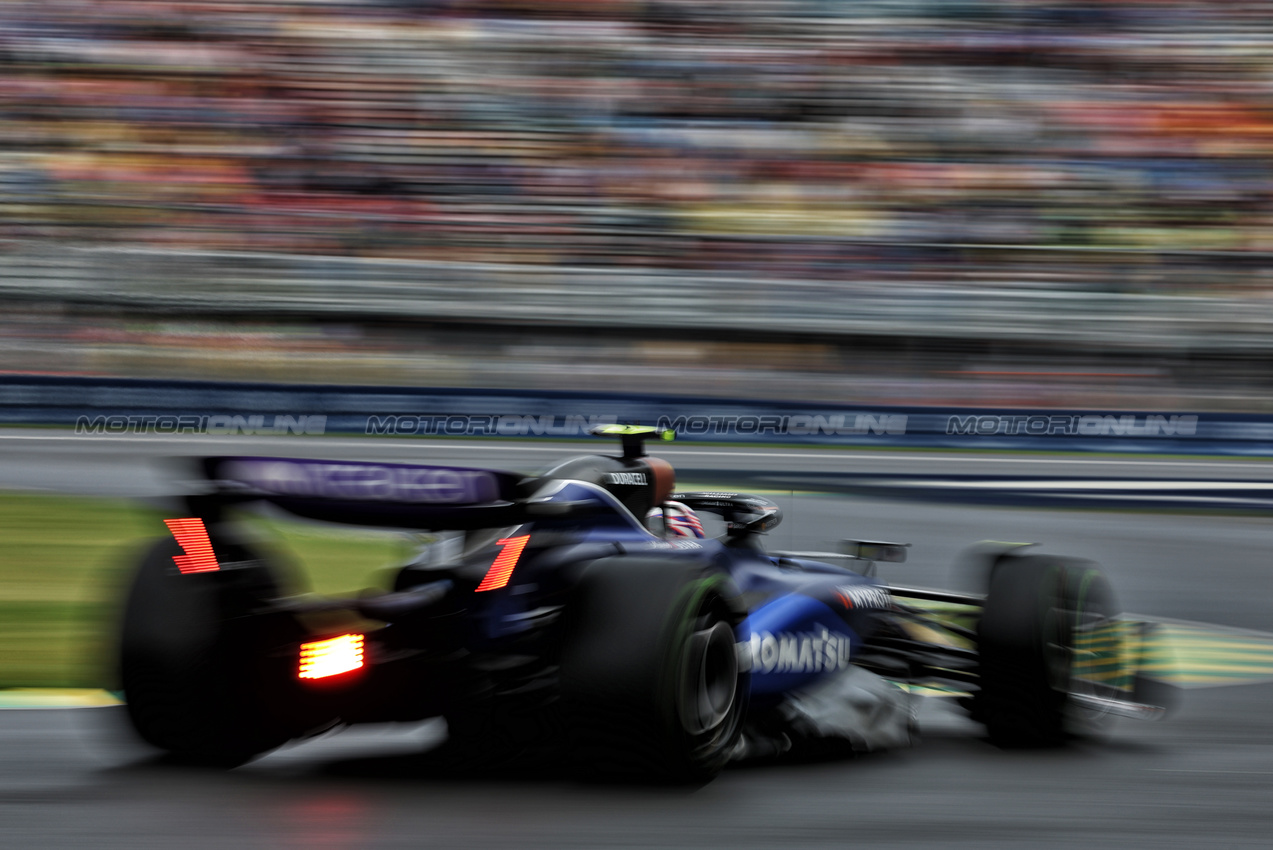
[[134, 465], [1203, 778]]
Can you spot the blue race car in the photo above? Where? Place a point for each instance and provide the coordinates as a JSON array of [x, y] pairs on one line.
[[563, 623]]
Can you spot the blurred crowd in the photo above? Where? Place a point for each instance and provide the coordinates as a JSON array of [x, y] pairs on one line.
[[1119, 144]]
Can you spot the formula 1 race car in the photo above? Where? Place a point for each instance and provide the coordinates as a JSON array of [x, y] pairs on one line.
[[564, 622]]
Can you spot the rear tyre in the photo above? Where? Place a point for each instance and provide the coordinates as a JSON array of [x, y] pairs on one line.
[[194, 657], [1038, 657], [651, 685]]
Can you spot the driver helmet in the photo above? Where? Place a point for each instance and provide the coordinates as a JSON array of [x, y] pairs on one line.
[[679, 520]]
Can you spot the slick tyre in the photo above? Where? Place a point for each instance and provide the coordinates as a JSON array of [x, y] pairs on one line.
[[1034, 639], [194, 656], [651, 685]]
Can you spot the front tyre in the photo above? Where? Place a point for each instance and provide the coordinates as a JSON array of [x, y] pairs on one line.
[[1044, 645], [650, 680]]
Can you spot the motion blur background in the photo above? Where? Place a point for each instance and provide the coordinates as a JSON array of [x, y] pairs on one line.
[[1042, 202]]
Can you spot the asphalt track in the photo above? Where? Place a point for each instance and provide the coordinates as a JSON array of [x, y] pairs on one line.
[[1203, 778]]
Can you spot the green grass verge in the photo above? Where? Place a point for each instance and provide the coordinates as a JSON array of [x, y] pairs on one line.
[[64, 568]]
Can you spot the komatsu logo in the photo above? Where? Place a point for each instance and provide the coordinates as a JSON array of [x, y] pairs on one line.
[[1070, 425], [629, 478], [802, 652]]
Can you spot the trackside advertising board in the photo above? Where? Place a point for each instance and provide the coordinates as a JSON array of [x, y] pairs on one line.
[[103, 406]]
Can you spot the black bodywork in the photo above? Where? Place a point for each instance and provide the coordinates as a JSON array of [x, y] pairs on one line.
[[566, 624]]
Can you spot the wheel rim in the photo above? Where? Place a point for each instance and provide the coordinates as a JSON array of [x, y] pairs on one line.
[[711, 679], [1096, 668]]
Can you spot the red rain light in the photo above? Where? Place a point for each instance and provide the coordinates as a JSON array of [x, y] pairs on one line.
[[502, 568], [192, 537], [331, 657]]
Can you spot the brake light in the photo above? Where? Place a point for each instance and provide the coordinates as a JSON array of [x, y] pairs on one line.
[[502, 567], [331, 657], [192, 537]]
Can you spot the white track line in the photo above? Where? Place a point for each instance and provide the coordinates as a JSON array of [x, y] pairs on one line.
[[1066, 485]]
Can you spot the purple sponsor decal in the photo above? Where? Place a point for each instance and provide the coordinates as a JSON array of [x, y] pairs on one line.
[[438, 485]]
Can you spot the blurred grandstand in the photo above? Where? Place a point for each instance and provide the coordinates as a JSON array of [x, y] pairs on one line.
[[907, 201]]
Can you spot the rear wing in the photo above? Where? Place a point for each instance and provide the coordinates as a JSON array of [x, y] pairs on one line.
[[392, 495]]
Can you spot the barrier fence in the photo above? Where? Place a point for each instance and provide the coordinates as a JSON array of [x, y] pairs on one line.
[[951, 300]]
